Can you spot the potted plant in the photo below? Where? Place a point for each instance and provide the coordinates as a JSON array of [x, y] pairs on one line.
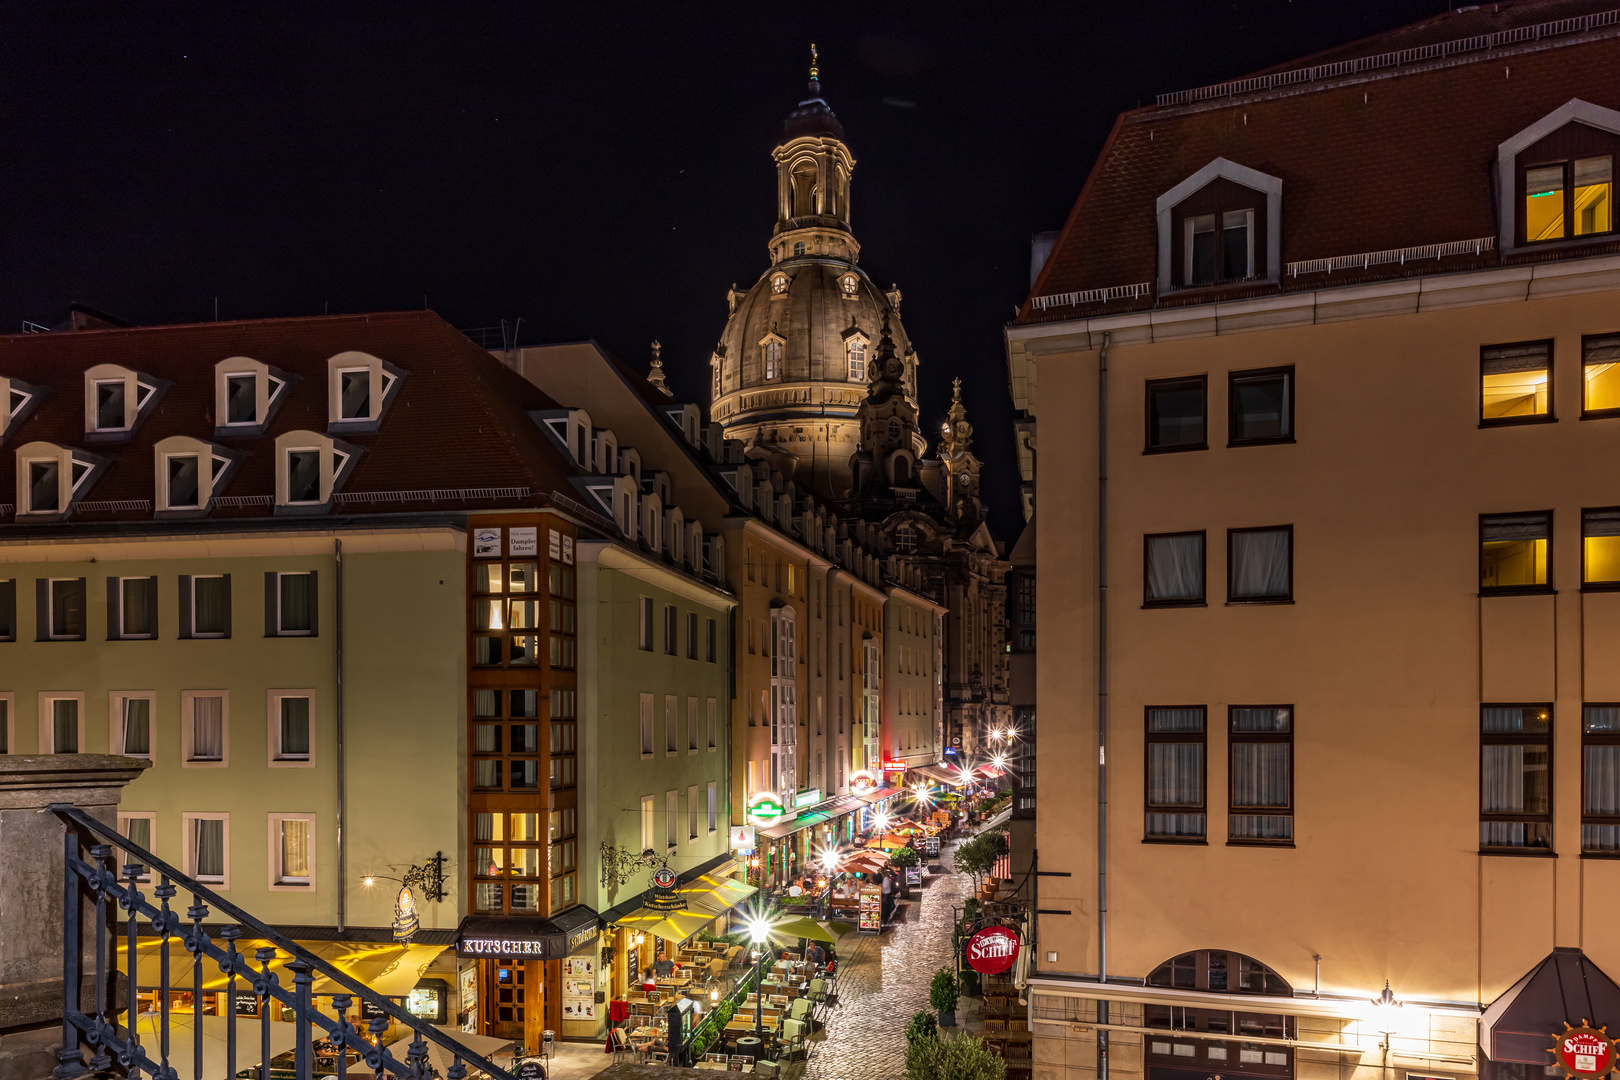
[[943, 993], [922, 1026], [901, 859]]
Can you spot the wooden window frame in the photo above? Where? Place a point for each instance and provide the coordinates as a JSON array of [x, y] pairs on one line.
[[1248, 601], [1285, 370], [1505, 738], [1548, 417], [1202, 599], [1150, 737], [1233, 737], [1147, 415], [1545, 589], [1601, 739]]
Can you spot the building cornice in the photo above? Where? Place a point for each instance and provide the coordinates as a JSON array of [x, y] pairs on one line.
[[917, 601], [239, 545], [1333, 1006], [774, 536], [633, 563]]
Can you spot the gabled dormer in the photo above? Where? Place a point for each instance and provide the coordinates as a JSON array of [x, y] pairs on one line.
[[186, 473], [657, 481], [1222, 225], [1558, 176], [571, 430], [605, 452], [687, 421], [675, 534], [311, 468], [18, 400], [247, 396], [651, 524], [116, 400], [359, 389], [53, 479], [630, 464]]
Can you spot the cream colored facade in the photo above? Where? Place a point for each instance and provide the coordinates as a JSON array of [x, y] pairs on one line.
[[911, 678], [1385, 654]]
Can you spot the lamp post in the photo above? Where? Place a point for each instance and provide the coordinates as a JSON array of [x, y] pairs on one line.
[[830, 858], [759, 931]]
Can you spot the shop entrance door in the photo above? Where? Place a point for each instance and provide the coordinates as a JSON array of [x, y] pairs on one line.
[[508, 994]]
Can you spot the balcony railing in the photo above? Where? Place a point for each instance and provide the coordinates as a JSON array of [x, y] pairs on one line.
[[93, 882]]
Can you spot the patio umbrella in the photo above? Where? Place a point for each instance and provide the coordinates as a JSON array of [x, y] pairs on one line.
[[802, 928], [482, 1045], [182, 1028]]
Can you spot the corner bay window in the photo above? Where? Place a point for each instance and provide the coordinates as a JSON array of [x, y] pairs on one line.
[[507, 861], [1513, 552], [1173, 569], [1261, 774], [506, 612], [1515, 785], [1515, 383], [1175, 774], [1213, 1038], [1176, 414]]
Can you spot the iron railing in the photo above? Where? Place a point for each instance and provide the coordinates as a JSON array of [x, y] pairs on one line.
[[96, 881]]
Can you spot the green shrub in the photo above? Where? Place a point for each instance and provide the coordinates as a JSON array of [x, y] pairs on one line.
[[943, 991], [922, 1026], [964, 1058], [904, 857]]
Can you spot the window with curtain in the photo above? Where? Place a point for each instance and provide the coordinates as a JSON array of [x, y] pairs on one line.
[[1600, 547], [294, 854], [1175, 773], [1515, 785], [1260, 564], [1513, 552], [211, 606], [207, 728], [64, 726], [1261, 774], [1261, 406], [137, 607], [1600, 779], [208, 850], [1600, 375], [296, 603], [136, 732], [294, 730], [137, 829], [1173, 569], [67, 609], [1515, 383], [649, 823], [646, 725], [1176, 414]]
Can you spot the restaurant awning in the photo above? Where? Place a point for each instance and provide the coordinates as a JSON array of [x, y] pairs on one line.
[[389, 970], [803, 821], [1565, 988], [879, 795], [676, 926], [714, 894], [839, 806], [991, 771], [540, 939], [944, 775]]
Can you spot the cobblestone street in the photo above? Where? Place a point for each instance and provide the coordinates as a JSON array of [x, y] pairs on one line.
[[882, 982]]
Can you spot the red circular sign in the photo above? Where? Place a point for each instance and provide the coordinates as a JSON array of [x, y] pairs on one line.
[[664, 878], [1585, 1052], [993, 950]]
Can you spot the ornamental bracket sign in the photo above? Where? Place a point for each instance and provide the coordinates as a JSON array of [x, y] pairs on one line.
[[1584, 1052]]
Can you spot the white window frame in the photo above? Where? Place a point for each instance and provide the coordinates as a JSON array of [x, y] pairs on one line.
[[276, 881], [714, 806], [672, 819], [187, 729], [267, 390], [117, 585], [189, 847], [649, 824], [50, 613], [115, 721], [648, 734], [192, 599], [382, 383], [337, 387], [858, 343], [280, 632], [95, 403], [9, 700], [1268, 186], [692, 729], [47, 729], [714, 725], [692, 814], [272, 707], [166, 497], [68, 462], [139, 391], [672, 725], [123, 830]]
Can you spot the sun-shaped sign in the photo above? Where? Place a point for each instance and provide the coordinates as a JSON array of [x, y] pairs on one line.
[[1584, 1052]]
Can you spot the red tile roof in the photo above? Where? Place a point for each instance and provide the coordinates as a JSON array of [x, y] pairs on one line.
[[1397, 158], [459, 419]]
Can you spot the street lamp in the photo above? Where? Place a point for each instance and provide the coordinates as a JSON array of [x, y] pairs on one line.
[[759, 931], [830, 859], [1386, 1006]]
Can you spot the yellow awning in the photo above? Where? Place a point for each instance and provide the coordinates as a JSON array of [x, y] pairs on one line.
[[389, 968], [715, 895], [674, 926]]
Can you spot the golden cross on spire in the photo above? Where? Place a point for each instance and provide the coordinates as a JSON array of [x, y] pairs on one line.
[[815, 72]]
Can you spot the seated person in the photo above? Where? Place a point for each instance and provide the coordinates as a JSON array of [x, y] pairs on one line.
[[664, 967]]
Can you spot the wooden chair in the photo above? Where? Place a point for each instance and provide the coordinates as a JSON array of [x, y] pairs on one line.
[[741, 1062]]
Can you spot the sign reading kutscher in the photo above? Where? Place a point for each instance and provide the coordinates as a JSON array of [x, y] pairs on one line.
[[1585, 1051], [993, 950]]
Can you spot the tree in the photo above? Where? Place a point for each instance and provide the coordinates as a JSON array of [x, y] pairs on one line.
[[976, 856], [964, 1058]]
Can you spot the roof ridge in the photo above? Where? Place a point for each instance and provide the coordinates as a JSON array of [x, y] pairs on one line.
[[403, 314]]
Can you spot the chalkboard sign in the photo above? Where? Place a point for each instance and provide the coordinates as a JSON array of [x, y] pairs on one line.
[[368, 1011], [531, 1070]]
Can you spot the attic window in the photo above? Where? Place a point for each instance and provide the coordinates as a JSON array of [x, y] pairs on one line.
[[779, 283], [1569, 198], [848, 284], [114, 397], [1220, 225], [241, 399], [50, 477], [359, 388], [905, 539], [304, 475], [310, 468], [355, 391], [246, 392], [1218, 247], [110, 405]]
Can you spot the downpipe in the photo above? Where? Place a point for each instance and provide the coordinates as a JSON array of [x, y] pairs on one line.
[[1102, 698]]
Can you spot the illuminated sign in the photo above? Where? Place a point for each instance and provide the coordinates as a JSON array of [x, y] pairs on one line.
[[1584, 1052], [993, 950], [742, 838], [861, 782], [894, 766], [807, 798], [766, 809], [405, 921]]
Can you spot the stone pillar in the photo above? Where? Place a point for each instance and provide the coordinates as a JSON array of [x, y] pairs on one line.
[[31, 880]]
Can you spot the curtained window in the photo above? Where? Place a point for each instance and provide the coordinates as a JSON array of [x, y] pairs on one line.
[[1261, 774], [297, 603], [1600, 780], [138, 607], [1515, 785], [64, 726], [211, 606], [1173, 569], [207, 728], [208, 850], [1175, 773], [294, 730], [1513, 552], [294, 852], [137, 727], [1260, 564]]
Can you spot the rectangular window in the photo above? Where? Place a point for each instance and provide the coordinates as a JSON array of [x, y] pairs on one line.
[[1176, 414], [711, 651], [134, 607], [671, 622], [1515, 784], [649, 824], [183, 490], [1515, 383], [1600, 779], [65, 610], [1237, 244], [692, 814], [1175, 773], [294, 603], [8, 610], [1600, 547], [292, 851], [138, 829], [241, 399], [110, 405], [1200, 253], [61, 723], [131, 716], [290, 727], [692, 734], [207, 853], [714, 805], [1261, 771], [646, 725], [672, 722], [691, 635], [1260, 407], [205, 723], [714, 724], [354, 386], [209, 605], [303, 476], [1513, 552], [1578, 193], [1260, 565], [1600, 375], [1173, 569], [672, 818], [645, 640]]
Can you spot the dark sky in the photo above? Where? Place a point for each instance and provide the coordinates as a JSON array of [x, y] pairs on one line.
[[598, 171]]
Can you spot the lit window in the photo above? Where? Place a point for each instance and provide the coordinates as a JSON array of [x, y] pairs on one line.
[[292, 845], [1515, 382], [1260, 564], [779, 284], [1175, 774], [1600, 547], [857, 360], [1261, 775], [1579, 191], [1600, 779], [1175, 414], [1600, 371], [1262, 406], [1174, 571], [1513, 552], [1515, 797], [773, 359]]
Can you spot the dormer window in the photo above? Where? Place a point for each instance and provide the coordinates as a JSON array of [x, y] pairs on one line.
[[857, 360], [246, 394], [110, 406], [188, 473], [51, 478], [1219, 247], [849, 284], [17, 400], [354, 390], [115, 399], [359, 389], [779, 283], [772, 352], [310, 468], [1220, 225], [1555, 178], [1569, 198]]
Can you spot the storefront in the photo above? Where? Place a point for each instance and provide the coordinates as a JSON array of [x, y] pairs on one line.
[[530, 975]]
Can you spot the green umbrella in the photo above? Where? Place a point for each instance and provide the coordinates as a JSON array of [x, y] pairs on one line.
[[803, 928]]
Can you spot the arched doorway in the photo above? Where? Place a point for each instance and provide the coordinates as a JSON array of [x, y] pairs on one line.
[[1235, 1041]]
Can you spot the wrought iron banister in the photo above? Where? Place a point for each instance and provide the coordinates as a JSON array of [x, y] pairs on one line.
[[96, 881]]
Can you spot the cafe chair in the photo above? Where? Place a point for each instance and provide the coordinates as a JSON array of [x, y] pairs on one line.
[[741, 1062], [622, 1049]]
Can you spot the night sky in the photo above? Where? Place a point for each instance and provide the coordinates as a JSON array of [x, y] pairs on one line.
[[597, 171]]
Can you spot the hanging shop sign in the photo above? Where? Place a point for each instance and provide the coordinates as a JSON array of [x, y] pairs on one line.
[[1584, 1052], [807, 798], [497, 937], [742, 838], [862, 781], [995, 949], [405, 921], [662, 896], [767, 810]]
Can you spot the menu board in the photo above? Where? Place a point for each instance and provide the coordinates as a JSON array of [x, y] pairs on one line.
[[913, 875], [467, 1011], [579, 988], [871, 909]]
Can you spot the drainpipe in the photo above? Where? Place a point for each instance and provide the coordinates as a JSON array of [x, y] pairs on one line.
[[342, 847], [1102, 698]]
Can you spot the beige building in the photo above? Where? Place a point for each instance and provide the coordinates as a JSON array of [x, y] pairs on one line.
[[1328, 605]]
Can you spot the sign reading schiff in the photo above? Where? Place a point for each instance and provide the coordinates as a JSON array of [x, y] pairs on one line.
[[993, 950], [1584, 1052]]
